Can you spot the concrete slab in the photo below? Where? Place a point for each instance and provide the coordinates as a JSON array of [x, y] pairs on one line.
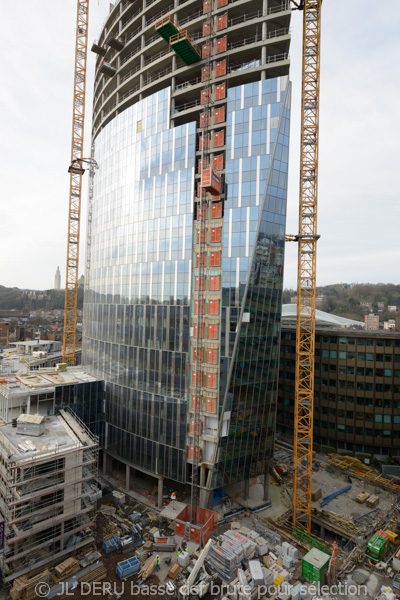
[[360, 576], [345, 503], [172, 510]]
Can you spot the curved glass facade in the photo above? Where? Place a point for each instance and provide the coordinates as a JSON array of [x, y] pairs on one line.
[[137, 309], [138, 314], [254, 238]]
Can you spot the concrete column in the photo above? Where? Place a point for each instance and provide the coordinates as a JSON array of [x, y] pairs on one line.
[[202, 477], [160, 492], [263, 55], [127, 478], [266, 486], [205, 498], [264, 31], [105, 462], [265, 7], [246, 489]]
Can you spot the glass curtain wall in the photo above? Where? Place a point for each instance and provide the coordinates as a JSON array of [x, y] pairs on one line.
[[136, 332], [254, 238]]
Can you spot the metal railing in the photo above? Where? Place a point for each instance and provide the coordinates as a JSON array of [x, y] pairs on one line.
[[130, 73], [257, 63], [187, 106], [153, 57], [186, 84], [156, 76]]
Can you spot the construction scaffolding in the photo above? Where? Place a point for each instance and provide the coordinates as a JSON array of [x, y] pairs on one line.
[[47, 490]]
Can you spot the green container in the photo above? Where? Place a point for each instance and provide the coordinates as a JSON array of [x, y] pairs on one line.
[[314, 565]]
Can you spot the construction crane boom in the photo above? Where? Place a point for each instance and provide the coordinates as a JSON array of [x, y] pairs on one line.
[[306, 276], [75, 189]]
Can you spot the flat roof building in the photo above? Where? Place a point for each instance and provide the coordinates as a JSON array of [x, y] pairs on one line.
[[44, 391], [48, 469]]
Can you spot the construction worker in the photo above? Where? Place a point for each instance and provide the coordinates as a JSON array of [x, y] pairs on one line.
[[178, 552], [184, 545], [173, 498], [158, 563]]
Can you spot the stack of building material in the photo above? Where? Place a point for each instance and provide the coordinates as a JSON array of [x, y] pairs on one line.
[[373, 501], [261, 546], [89, 558], [65, 569], [290, 551], [154, 532], [24, 588], [98, 573], [248, 546], [256, 573], [142, 554], [235, 547], [148, 567], [118, 498], [279, 573], [316, 494], [174, 571], [252, 535], [223, 562], [362, 497]]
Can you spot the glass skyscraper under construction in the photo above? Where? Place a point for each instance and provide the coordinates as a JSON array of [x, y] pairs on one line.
[[186, 235]]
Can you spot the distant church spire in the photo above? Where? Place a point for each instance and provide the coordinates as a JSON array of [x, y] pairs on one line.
[[57, 279]]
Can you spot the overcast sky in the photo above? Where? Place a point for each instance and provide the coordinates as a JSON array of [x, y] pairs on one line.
[[359, 170]]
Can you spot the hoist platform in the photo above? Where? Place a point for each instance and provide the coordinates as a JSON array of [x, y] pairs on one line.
[[167, 27], [179, 40], [183, 45]]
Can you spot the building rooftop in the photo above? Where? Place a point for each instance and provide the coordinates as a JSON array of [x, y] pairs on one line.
[[61, 433], [289, 312], [46, 378]]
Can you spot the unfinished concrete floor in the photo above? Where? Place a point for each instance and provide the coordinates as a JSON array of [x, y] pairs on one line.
[[345, 503]]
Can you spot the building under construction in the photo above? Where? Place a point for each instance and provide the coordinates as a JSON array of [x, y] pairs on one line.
[[186, 235], [48, 468], [43, 391]]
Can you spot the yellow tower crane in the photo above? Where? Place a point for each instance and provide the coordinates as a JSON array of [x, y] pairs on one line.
[[75, 190], [306, 276]]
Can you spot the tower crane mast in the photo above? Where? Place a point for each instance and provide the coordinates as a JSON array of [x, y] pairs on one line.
[[76, 172], [306, 266]]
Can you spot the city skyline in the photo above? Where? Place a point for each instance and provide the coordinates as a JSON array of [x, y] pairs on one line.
[[357, 158]]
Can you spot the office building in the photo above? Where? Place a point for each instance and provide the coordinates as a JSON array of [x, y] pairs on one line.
[[356, 393], [186, 235], [371, 322]]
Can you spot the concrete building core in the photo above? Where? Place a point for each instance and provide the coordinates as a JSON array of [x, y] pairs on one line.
[[48, 467]]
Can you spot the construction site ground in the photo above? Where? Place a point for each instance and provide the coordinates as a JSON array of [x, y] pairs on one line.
[[346, 503]]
